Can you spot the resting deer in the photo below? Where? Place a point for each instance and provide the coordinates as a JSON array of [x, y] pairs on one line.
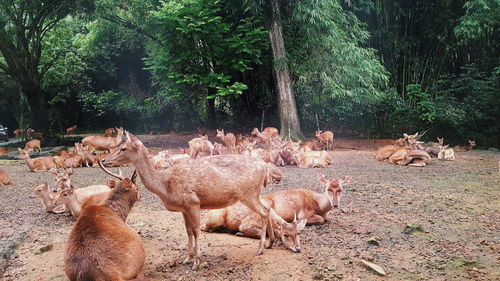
[[71, 130], [310, 146], [101, 246], [384, 152], [410, 155], [109, 132], [4, 178], [74, 203], [312, 159], [266, 135], [434, 147], [325, 138], [446, 153], [242, 221], [48, 198], [19, 133], [33, 145], [472, 144], [37, 164], [104, 143], [207, 183]]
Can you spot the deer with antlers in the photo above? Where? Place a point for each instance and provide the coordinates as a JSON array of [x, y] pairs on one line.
[[325, 138], [212, 182], [101, 246]]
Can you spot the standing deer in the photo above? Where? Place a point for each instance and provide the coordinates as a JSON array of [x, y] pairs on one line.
[[33, 145], [71, 130], [229, 140], [207, 183], [101, 246], [325, 138], [104, 143]]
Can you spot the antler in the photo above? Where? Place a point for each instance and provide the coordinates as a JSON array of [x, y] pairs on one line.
[[134, 176], [119, 176]]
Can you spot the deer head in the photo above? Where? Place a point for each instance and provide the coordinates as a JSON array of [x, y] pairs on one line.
[[63, 179], [41, 189], [472, 143], [289, 231], [126, 152], [441, 141], [318, 133], [255, 131], [334, 188], [220, 133]]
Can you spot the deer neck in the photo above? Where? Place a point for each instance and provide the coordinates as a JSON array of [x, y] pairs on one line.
[[324, 203], [75, 206], [152, 179], [48, 202], [30, 162], [119, 206]]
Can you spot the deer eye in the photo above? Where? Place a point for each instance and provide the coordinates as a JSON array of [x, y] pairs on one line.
[[123, 149], [65, 194]]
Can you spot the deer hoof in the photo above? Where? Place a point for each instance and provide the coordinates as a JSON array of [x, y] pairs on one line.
[[259, 252]]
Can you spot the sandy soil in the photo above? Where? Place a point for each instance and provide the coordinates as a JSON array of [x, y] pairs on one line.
[[456, 204]]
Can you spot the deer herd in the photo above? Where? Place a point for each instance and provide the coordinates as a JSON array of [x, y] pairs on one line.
[[227, 178]]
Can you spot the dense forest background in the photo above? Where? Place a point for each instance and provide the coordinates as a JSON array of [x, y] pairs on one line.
[[365, 68]]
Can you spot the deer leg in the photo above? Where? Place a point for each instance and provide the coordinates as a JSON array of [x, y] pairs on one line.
[[194, 219], [315, 219], [263, 211], [189, 231]]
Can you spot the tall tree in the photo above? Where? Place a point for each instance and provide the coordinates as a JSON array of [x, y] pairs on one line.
[[23, 26], [289, 118]]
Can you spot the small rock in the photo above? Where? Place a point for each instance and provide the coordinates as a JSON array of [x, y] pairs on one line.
[[411, 228], [378, 269], [373, 241], [204, 265], [44, 249]]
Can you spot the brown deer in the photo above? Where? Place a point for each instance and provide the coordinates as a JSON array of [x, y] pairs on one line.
[[19, 133], [433, 148], [4, 178], [472, 144], [313, 159], [109, 132], [48, 198], [325, 138], [229, 140], [446, 153], [310, 146], [33, 145], [38, 164], [101, 246], [207, 183], [200, 145], [384, 152], [104, 143], [267, 135], [242, 221], [71, 130]]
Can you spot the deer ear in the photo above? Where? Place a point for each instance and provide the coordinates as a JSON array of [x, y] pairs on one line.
[[321, 178], [346, 180], [405, 135], [111, 184], [301, 225], [19, 149], [54, 171], [70, 171]]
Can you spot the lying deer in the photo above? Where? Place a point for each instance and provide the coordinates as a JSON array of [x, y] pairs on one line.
[[38, 164], [310, 146], [109, 132], [312, 159], [384, 152], [4, 178], [33, 145], [70, 130], [19, 133], [242, 221], [74, 203], [101, 246], [71, 197], [229, 140], [207, 183], [48, 198], [434, 149], [472, 144], [325, 138], [104, 143], [446, 153], [267, 135]]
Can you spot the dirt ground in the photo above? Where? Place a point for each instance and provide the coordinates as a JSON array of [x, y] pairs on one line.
[[452, 210]]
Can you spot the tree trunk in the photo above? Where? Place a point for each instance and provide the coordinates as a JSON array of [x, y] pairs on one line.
[[36, 105], [211, 114], [289, 119]]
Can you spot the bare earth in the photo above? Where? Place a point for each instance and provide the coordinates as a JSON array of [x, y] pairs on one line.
[[455, 203]]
